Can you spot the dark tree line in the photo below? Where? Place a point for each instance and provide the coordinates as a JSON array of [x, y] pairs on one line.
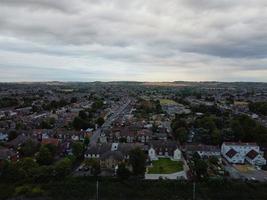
[[258, 108]]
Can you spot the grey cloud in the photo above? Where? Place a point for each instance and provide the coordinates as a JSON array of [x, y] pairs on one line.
[[61, 5], [176, 35]]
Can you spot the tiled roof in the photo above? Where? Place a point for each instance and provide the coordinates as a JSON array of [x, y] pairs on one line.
[[231, 153], [5, 153], [252, 154], [240, 144], [53, 141], [202, 147]]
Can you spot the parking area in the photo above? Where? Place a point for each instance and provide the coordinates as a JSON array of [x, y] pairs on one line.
[[248, 172]]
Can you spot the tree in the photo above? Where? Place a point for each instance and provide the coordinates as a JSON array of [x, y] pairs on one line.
[[74, 100], [258, 107], [214, 160], [178, 123], [10, 172], [29, 148], [44, 173], [77, 149], [199, 167], [180, 134], [97, 104], [8, 102], [44, 157], [123, 172], [95, 167], [215, 137], [246, 129], [52, 148], [82, 114], [208, 123], [86, 141], [28, 166], [100, 121], [138, 161], [79, 123], [63, 167], [12, 135]]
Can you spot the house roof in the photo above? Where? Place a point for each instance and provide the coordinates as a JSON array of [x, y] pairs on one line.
[[202, 147], [240, 144], [18, 140], [252, 154], [164, 146], [5, 153], [231, 153], [53, 141], [123, 148], [145, 132], [114, 155]]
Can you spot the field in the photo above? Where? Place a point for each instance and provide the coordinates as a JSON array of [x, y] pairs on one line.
[[165, 166], [164, 102]]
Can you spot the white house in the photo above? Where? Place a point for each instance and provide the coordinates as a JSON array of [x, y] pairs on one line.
[[164, 149], [239, 153], [3, 136], [204, 151]]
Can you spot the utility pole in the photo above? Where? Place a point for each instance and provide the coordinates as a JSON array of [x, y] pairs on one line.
[[97, 195], [194, 190]]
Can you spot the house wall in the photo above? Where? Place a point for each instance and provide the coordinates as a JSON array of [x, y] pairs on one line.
[[241, 150]]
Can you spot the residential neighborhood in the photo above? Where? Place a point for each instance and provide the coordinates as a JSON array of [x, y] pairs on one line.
[[124, 130]]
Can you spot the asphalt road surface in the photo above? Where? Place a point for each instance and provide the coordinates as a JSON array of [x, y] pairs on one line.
[[108, 122]]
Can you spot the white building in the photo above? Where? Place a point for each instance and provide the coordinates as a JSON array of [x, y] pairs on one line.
[[164, 149], [3, 136], [239, 153]]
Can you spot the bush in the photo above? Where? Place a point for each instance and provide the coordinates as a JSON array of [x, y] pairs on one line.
[[29, 191]]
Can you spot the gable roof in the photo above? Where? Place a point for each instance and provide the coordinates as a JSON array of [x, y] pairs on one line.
[[5, 153], [21, 139], [231, 153], [240, 144], [53, 141], [252, 154], [202, 147], [113, 155]]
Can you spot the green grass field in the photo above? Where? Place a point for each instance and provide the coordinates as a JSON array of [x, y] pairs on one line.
[[167, 102], [165, 166]]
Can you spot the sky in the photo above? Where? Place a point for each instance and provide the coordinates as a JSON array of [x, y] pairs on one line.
[[135, 40]]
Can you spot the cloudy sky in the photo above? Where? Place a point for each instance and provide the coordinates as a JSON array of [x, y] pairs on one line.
[[142, 40]]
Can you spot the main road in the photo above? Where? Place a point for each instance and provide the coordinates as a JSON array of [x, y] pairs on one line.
[[109, 120]]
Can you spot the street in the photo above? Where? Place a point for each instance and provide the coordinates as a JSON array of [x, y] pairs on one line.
[[108, 122]]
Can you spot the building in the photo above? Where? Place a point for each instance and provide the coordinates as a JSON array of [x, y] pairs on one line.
[[204, 151], [129, 134], [3, 136], [164, 149], [239, 153], [8, 154], [111, 154]]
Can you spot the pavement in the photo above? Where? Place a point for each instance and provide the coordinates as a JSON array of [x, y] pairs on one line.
[[173, 176], [251, 175], [233, 172]]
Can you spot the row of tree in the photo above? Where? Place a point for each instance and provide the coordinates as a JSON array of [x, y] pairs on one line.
[[258, 107]]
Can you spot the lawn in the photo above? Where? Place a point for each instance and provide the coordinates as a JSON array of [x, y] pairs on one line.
[[167, 102], [165, 166]]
